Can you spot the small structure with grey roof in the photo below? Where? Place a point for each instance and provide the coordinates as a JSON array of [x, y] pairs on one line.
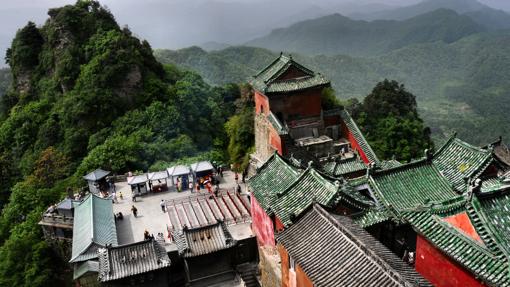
[[138, 184], [142, 263], [97, 180], [180, 171], [201, 169], [156, 179]]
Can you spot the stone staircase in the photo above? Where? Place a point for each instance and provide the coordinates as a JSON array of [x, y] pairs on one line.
[[248, 272]]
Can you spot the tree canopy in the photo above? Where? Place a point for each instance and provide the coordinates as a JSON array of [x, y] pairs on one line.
[[390, 121]]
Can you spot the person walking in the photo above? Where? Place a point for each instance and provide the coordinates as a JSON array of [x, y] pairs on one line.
[[216, 190], [162, 204], [134, 210], [236, 177]]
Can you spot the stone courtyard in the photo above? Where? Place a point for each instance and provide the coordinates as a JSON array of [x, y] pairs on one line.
[[150, 216]]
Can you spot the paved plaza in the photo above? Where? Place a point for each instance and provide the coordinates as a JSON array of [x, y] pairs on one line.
[[150, 216]]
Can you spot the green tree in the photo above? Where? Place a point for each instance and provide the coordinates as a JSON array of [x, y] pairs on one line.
[[390, 121]]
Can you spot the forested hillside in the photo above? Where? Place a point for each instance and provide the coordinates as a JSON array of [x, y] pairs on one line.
[[5, 81], [462, 86], [86, 94], [336, 34]]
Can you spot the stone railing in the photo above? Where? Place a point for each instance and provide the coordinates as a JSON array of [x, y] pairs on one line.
[[57, 219]]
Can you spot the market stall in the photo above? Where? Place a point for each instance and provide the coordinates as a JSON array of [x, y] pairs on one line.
[[180, 176], [158, 181], [138, 184]]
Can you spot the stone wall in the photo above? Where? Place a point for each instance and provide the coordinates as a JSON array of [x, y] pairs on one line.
[[270, 268]]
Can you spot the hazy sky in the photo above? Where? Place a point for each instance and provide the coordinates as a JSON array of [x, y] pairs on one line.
[[181, 23]]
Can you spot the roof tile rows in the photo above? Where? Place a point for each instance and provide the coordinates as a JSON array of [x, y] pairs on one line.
[[273, 177], [344, 167], [132, 259], [411, 185], [497, 212], [457, 160], [203, 240], [309, 187], [267, 80], [334, 251], [93, 227], [360, 139]]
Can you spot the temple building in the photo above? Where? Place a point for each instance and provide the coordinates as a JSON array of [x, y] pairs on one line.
[[324, 249], [290, 119], [447, 215]]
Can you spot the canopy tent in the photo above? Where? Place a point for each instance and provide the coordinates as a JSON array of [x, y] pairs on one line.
[[97, 180], [182, 172]]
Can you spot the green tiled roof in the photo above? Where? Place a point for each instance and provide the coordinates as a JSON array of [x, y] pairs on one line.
[[277, 125], [267, 80], [470, 253], [351, 125], [387, 164], [297, 84], [494, 184], [411, 185], [339, 168], [372, 216], [309, 187], [273, 177], [358, 181], [94, 226], [458, 159], [496, 211]]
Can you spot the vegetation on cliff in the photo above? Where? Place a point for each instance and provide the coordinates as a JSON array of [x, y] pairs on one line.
[[86, 94]]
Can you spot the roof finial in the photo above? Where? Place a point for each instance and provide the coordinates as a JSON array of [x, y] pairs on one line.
[[290, 56], [281, 53]]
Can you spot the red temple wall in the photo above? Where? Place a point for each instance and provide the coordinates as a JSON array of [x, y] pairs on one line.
[[439, 269], [354, 144], [296, 278], [262, 225], [301, 279], [275, 141], [284, 261], [332, 121], [261, 102], [462, 222], [303, 104], [278, 224]]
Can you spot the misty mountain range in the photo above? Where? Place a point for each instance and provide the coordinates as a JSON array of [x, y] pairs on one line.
[[457, 66], [453, 54], [174, 24]]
